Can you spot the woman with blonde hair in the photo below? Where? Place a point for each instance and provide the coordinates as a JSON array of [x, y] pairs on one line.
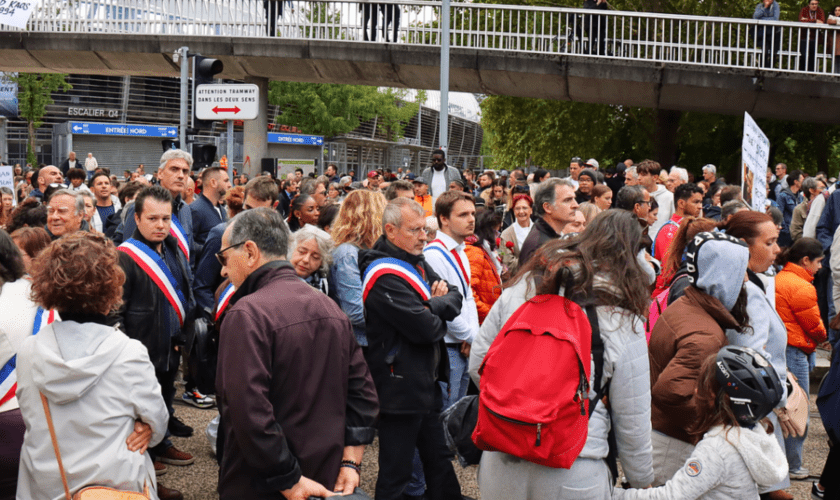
[[589, 211], [357, 226]]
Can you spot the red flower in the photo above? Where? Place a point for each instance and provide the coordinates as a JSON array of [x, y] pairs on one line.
[[498, 242], [509, 244]]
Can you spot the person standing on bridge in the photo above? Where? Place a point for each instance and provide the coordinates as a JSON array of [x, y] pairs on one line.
[[811, 13], [370, 13], [768, 38], [596, 27]]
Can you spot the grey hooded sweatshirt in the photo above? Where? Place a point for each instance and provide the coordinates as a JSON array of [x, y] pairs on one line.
[[97, 382]]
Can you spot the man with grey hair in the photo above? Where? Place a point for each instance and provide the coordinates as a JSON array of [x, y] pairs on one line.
[[676, 177], [631, 176], [173, 172], [406, 307], [554, 202], [317, 189], [295, 395], [65, 213], [710, 176]]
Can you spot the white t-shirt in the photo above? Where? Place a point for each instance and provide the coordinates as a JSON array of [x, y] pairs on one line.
[[521, 233], [438, 183]]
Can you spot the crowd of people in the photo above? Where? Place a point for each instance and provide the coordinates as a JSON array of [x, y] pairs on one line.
[[319, 312]]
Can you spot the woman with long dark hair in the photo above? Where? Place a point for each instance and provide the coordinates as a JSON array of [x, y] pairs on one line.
[[302, 211], [604, 267], [796, 302]]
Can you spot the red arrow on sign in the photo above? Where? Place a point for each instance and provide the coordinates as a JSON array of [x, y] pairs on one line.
[[233, 110]]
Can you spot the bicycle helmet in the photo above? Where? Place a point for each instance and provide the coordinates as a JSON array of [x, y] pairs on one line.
[[750, 381]]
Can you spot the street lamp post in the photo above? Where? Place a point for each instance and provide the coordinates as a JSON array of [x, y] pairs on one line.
[[444, 75]]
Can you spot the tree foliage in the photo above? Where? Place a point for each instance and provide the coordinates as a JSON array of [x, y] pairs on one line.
[[34, 95], [523, 131], [331, 110]]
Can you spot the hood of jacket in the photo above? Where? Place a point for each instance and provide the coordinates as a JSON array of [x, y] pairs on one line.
[[71, 357], [760, 451], [721, 267]]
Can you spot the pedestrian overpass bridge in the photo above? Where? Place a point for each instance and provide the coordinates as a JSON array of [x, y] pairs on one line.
[[723, 65]]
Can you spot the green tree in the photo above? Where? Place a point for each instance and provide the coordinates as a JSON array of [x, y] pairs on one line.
[[34, 95], [330, 109]]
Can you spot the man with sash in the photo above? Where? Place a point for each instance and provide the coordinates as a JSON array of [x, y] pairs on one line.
[[407, 306], [157, 301], [173, 172], [296, 399]]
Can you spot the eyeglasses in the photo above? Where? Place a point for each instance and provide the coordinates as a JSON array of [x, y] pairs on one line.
[[416, 231], [220, 255]]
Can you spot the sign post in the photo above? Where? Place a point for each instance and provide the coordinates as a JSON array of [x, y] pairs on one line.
[[226, 101], [755, 153]]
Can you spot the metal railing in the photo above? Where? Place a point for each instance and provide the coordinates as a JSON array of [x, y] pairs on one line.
[[704, 41]]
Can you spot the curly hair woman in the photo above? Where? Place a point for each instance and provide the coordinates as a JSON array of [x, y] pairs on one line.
[[98, 384]]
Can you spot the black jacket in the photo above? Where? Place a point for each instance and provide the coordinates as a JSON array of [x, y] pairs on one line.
[[145, 313], [204, 218], [406, 352], [539, 235]]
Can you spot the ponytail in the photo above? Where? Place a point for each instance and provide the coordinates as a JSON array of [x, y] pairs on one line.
[[801, 248]]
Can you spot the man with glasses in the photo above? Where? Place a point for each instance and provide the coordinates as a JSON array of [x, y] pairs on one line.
[[407, 307], [157, 302], [296, 398], [65, 213], [439, 175]]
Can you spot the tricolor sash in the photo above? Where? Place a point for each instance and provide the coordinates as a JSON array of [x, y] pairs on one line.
[[401, 268], [153, 264], [224, 300], [8, 374], [178, 232], [459, 267]]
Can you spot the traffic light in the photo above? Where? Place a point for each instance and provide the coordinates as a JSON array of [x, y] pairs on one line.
[[203, 155], [205, 70]]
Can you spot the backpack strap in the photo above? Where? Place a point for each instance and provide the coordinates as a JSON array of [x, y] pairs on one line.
[[600, 392]]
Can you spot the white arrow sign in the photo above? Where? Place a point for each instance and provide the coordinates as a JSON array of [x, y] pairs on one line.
[[227, 101]]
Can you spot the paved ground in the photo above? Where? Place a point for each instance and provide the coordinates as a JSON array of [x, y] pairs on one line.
[[198, 481]]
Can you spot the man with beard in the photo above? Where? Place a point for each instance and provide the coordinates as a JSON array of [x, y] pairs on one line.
[[439, 175], [207, 210]]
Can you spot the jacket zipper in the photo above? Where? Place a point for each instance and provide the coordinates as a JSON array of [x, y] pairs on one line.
[[519, 422]]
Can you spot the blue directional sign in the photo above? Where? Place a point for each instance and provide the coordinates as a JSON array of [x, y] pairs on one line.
[[122, 129], [300, 139]]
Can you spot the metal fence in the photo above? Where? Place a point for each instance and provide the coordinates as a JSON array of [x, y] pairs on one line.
[[703, 41]]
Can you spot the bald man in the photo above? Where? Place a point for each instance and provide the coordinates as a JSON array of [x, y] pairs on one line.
[[46, 176]]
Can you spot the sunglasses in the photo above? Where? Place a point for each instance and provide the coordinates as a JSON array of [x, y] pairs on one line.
[[220, 255], [576, 159]]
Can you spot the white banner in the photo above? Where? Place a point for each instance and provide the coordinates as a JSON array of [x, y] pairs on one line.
[[8, 96], [16, 12], [755, 153], [7, 179]]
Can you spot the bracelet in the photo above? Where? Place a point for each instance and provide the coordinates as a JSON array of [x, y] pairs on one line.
[[352, 466]]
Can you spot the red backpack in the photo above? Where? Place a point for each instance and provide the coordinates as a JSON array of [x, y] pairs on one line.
[[535, 380]]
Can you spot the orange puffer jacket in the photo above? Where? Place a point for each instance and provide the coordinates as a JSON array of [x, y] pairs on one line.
[[485, 281], [796, 303]]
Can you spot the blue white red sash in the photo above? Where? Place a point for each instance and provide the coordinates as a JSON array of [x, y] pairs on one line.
[[224, 300], [8, 374], [459, 267], [178, 232], [404, 270], [153, 264]]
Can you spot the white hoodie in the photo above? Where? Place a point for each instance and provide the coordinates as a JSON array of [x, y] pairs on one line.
[[724, 465], [97, 382]]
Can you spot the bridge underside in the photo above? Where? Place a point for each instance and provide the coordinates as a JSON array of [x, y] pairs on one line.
[[763, 94]]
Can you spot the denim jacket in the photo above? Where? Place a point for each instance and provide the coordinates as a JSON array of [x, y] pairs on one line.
[[348, 287]]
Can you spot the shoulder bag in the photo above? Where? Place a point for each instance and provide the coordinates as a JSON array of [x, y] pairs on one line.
[[91, 492]]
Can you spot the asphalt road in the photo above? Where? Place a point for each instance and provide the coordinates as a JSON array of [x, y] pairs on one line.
[[198, 481]]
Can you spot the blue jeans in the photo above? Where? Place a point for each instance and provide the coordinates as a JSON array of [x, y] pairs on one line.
[[459, 377], [800, 364]]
